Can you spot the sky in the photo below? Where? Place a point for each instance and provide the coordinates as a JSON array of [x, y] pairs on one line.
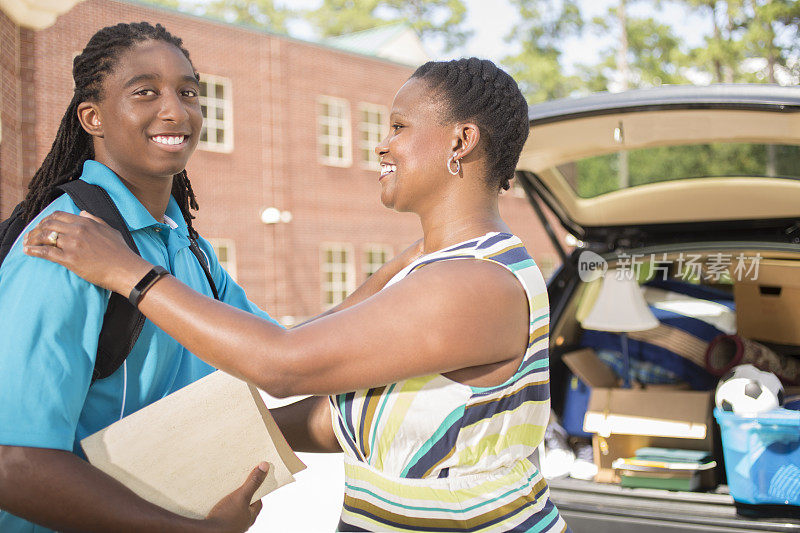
[[492, 20]]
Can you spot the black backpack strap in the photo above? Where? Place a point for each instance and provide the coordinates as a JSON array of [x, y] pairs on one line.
[[122, 322], [203, 260]]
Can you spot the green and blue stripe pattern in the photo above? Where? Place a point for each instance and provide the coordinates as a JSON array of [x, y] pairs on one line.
[[432, 454]]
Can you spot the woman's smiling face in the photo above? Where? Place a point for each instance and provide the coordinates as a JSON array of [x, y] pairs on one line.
[[149, 115], [414, 153]]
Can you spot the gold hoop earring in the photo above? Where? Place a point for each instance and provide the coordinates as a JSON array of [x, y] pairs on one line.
[[449, 165]]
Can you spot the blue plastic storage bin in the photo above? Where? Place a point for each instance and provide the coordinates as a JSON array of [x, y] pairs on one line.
[[762, 456], [576, 400]]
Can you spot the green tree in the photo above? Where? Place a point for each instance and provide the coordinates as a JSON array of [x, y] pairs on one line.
[[744, 33], [771, 32], [647, 53], [431, 19], [720, 55], [541, 32], [656, 54], [751, 41], [748, 41], [260, 13]]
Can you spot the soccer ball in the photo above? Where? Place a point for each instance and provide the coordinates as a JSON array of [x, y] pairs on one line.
[[748, 391]]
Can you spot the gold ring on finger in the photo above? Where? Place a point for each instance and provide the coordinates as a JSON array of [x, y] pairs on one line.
[[52, 238]]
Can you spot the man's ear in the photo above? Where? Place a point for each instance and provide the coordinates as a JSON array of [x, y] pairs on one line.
[[465, 138], [89, 117]]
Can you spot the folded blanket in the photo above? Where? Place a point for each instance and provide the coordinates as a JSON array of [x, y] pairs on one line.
[[690, 317]]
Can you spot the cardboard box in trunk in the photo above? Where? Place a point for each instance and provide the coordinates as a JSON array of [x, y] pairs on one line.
[[624, 420], [768, 308]]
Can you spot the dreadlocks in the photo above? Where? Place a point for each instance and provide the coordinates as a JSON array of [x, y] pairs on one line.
[[476, 89], [72, 145]]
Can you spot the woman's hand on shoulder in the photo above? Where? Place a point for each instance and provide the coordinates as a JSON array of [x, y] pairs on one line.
[[88, 247]]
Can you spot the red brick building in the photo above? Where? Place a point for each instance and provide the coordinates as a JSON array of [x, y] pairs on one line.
[[289, 126]]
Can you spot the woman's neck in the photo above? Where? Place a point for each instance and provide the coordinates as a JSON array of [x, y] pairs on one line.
[[454, 221]]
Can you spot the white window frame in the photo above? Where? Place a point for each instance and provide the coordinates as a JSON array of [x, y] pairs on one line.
[[230, 254], [337, 286], [370, 267], [375, 133], [210, 122], [323, 139]]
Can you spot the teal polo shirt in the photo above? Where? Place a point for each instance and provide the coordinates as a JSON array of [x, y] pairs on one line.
[[51, 322]]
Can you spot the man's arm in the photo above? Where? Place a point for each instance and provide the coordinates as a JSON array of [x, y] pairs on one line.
[[58, 490]]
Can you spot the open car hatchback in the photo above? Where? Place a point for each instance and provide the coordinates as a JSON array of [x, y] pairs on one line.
[[661, 176]]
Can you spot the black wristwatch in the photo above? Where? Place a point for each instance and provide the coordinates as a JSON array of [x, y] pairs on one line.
[[149, 279]]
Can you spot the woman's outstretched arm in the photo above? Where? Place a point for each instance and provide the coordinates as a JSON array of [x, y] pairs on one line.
[[447, 316], [378, 280]]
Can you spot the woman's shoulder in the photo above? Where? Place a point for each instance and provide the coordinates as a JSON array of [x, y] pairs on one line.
[[499, 247], [502, 247], [447, 278], [508, 251]]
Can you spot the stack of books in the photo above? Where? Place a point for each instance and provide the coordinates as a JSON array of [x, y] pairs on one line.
[[666, 468]]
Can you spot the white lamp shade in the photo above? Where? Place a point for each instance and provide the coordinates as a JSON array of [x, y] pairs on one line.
[[620, 306]]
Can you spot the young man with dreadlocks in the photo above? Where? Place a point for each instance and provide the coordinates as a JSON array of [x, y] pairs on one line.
[[133, 122], [130, 128]]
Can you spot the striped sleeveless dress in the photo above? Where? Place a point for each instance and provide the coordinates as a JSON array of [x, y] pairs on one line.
[[431, 454]]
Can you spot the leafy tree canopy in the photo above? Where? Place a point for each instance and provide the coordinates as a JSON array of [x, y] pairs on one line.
[[438, 19], [259, 13], [542, 30], [441, 20]]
